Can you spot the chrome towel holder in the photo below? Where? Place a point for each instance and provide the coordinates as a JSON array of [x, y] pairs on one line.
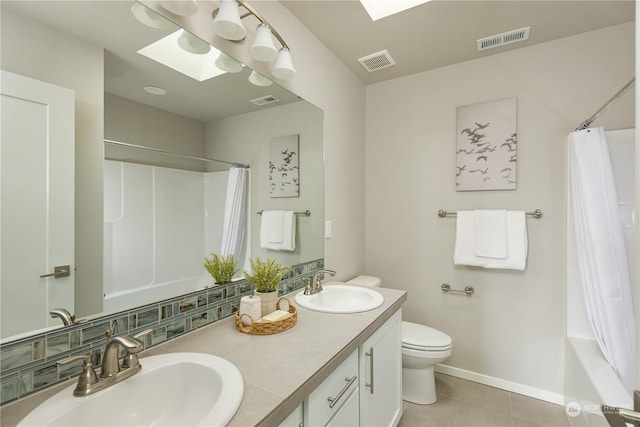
[[467, 289], [536, 213]]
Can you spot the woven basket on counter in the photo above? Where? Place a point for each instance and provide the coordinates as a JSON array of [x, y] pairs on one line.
[[268, 328]]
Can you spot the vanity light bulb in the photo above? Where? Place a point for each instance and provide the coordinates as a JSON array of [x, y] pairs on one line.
[[283, 68]]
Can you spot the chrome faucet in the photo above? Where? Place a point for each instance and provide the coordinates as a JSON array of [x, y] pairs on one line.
[[315, 285], [111, 373], [67, 318]]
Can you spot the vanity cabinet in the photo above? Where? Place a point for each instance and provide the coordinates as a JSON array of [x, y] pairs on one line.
[[365, 390], [381, 375]]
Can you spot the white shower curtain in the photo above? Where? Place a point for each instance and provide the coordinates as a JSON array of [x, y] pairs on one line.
[[235, 213], [602, 263]]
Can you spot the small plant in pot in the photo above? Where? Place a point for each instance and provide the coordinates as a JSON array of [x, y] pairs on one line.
[[265, 276], [221, 268]]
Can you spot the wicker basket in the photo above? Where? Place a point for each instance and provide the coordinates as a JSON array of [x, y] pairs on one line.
[[268, 328]]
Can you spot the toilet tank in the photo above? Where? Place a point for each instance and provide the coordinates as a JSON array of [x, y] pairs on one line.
[[368, 281]]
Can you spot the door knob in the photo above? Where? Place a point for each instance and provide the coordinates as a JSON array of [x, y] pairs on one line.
[[59, 271]]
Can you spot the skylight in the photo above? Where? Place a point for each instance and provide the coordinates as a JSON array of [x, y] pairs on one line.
[[167, 52], [379, 9]]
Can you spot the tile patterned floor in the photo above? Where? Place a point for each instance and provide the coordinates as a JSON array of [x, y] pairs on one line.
[[464, 403]]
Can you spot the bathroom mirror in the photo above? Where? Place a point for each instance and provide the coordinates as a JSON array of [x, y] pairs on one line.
[[214, 118]]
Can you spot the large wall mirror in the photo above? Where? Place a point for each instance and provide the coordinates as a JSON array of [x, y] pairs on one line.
[[145, 219]]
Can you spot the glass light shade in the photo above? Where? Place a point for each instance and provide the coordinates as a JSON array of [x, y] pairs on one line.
[[149, 18], [283, 68], [228, 64], [259, 80], [192, 44], [180, 7], [227, 23], [263, 48]]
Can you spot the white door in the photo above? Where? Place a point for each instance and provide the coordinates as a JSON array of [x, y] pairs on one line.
[[37, 145]]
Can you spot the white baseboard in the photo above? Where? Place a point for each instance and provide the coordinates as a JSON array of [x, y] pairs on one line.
[[525, 390]]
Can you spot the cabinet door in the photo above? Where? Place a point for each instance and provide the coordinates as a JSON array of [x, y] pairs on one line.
[[294, 419], [381, 376]]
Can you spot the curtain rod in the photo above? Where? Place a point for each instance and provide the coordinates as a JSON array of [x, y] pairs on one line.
[[614, 98], [171, 153]]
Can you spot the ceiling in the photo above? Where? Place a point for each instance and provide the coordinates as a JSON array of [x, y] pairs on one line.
[[444, 32], [111, 25], [436, 34]]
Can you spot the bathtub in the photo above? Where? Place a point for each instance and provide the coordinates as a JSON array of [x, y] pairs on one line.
[[117, 301], [590, 382]]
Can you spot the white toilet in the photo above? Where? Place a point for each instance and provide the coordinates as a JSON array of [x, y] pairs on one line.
[[422, 348]]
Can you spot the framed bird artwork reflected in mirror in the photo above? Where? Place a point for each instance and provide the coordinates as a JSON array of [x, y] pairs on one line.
[[284, 176], [486, 146]]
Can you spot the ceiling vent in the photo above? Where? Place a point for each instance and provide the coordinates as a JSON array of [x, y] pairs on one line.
[[377, 61], [503, 39], [265, 100]]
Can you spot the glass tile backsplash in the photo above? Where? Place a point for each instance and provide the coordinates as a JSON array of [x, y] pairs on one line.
[[29, 365]]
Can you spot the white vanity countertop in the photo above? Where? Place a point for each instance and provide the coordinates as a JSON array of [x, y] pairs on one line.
[[280, 370]]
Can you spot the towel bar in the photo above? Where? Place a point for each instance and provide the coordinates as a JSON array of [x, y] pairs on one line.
[[536, 213], [467, 289], [305, 213]]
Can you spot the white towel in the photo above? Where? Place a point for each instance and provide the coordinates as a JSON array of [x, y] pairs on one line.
[[490, 233], [517, 244], [278, 230]]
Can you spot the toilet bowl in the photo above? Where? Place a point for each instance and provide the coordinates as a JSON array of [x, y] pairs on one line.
[[422, 348]]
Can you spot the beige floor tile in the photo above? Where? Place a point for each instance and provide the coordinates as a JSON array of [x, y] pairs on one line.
[[446, 385], [481, 415], [491, 398], [440, 414], [538, 411]]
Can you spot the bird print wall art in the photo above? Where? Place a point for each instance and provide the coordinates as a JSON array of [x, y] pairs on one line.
[[486, 149], [283, 170]]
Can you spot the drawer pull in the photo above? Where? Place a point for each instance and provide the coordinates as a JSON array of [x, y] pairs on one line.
[[370, 384], [334, 400]]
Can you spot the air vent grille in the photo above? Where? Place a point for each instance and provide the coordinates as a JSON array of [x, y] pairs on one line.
[[265, 100], [377, 61], [503, 39]]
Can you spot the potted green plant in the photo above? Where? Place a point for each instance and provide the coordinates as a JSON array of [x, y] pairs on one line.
[[265, 276], [221, 268]]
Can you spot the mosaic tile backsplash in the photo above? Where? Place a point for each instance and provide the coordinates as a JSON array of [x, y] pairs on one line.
[[30, 364]]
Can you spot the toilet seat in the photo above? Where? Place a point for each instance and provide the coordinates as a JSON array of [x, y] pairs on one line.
[[424, 338]]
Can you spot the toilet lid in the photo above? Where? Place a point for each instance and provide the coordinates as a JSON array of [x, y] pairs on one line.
[[423, 337]]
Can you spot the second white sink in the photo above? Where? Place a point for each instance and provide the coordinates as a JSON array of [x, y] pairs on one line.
[[337, 297], [172, 389]]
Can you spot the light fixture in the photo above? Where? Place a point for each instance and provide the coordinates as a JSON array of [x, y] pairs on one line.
[[258, 79], [180, 7], [193, 44], [154, 90], [263, 48], [227, 23], [283, 68], [228, 64], [149, 18]]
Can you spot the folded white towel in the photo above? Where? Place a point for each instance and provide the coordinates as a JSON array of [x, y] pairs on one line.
[[490, 233], [278, 230], [517, 243], [273, 226]]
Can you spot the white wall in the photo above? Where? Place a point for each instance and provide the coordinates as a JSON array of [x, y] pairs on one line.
[[245, 138], [511, 333], [40, 52]]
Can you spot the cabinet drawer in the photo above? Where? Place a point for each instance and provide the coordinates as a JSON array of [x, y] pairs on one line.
[[338, 387]]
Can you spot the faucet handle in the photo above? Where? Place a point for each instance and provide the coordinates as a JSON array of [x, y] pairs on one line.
[[131, 358], [88, 376]]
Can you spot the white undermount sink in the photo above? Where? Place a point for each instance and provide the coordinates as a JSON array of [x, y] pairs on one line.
[[336, 297], [171, 389]]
